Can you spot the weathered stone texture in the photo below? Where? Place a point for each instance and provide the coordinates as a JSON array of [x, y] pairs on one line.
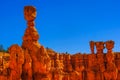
[[32, 61]]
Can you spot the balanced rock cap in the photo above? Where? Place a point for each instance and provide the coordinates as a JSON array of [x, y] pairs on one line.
[[29, 13]]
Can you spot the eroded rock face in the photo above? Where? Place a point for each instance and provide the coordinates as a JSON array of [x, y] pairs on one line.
[[31, 35], [99, 47], [32, 61], [16, 62], [37, 53], [27, 66], [92, 45], [111, 69]]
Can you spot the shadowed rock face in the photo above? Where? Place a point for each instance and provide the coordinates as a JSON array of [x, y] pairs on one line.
[[32, 61]]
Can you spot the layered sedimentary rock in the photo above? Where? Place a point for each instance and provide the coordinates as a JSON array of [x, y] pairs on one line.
[[39, 58], [32, 61]]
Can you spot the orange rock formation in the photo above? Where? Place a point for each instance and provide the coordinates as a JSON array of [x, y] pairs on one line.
[[32, 61]]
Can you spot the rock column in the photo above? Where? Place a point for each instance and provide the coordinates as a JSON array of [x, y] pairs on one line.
[[111, 70]]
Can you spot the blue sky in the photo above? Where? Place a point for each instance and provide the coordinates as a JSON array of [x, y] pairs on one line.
[[63, 25]]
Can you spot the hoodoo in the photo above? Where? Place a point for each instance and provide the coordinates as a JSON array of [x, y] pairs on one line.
[[32, 61]]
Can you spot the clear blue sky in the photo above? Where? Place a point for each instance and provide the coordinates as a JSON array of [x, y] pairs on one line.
[[63, 25]]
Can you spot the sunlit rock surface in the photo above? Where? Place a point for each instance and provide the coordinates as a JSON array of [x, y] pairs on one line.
[[32, 61]]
